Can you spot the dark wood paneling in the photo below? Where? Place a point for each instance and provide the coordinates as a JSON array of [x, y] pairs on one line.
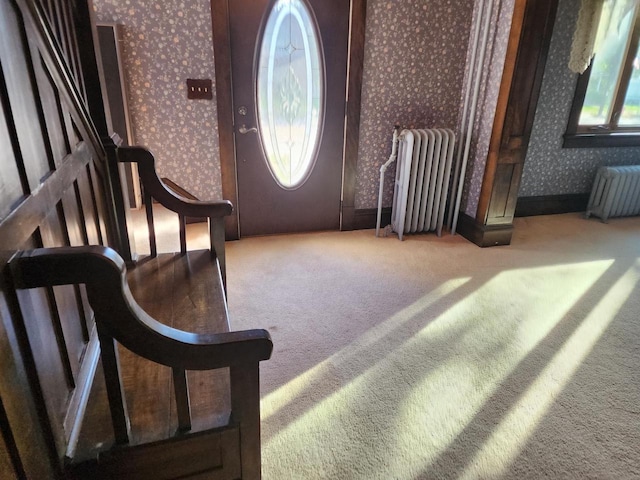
[[98, 199], [525, 60], [72, 343], [11, 188], [505, 193], [500, 193], [73, 221], [73, 137], [25, 111], [522, 106], [50, 7], [32, 439], [352, 131], [77, 236], [62, 34], [51, 375], [88, 207], [68, 40], [552, 204], [49, 141], [60, 14], [41, 33], [71, 19], [10, 463], [92, 77], [78, 201], [53, 113], [18, 227]]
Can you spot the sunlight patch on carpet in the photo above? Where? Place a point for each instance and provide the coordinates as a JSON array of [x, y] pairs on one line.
[[493, 337], [418, 396], [280, 398], [523, 418]]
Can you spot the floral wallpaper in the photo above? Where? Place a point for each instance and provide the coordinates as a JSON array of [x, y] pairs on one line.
[[497, 40], [414, 64], [164, 44], [415, 57], [416, 54], [550, 169]]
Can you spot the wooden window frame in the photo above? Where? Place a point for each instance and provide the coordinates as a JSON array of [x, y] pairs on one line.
[[610, 134]]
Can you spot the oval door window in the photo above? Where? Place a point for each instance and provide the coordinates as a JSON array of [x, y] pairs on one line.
[[290, 92]]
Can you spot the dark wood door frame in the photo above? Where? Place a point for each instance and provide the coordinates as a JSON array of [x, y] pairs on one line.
[[527, 51], [222, 56]]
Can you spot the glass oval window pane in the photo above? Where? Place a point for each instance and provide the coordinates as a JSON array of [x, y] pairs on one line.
[[290, 92]]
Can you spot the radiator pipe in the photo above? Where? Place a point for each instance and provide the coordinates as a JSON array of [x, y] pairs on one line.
[[465, 112], [383, 169], [472, 115]]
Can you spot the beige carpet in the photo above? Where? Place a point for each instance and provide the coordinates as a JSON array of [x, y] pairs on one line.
[[433, 358]]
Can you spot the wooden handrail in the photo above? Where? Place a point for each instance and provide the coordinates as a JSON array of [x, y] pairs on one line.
[[118, 315]]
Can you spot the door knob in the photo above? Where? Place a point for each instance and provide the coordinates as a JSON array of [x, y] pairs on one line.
[[244, 130]]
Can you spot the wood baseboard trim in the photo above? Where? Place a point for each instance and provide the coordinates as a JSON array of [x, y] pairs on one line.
[[551, 204], [484, 235], [366, 218], [347, 219]]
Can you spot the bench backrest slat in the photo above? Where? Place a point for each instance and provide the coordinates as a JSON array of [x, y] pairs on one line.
[[148, 208], [183, 234], [183, 406], [115, 389]]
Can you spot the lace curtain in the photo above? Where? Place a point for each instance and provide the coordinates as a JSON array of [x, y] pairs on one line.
[[585, 35]]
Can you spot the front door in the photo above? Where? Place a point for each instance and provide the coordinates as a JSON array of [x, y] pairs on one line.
[[289, 70]]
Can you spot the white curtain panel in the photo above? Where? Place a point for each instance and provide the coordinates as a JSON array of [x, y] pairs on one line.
[[585, 34]]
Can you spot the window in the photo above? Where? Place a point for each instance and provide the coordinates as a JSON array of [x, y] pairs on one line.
[[290, 92], [606, 106]]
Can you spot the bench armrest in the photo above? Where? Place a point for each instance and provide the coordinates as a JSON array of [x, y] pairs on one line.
[[118, 315], [154, 187], [158, 190]]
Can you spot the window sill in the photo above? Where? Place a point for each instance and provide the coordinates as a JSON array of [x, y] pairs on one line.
[[597, 140]]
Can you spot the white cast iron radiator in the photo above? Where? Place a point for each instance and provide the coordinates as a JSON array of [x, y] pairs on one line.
[[423, 174], [615, 193]]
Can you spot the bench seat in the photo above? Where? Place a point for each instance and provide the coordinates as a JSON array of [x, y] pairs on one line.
[[164, 403], [184, 292], [175, 393]]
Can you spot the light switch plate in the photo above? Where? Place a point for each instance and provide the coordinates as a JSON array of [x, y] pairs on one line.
[[199, 89]]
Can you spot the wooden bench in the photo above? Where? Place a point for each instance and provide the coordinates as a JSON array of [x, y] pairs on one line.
[[91, 384], [143, 416]]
